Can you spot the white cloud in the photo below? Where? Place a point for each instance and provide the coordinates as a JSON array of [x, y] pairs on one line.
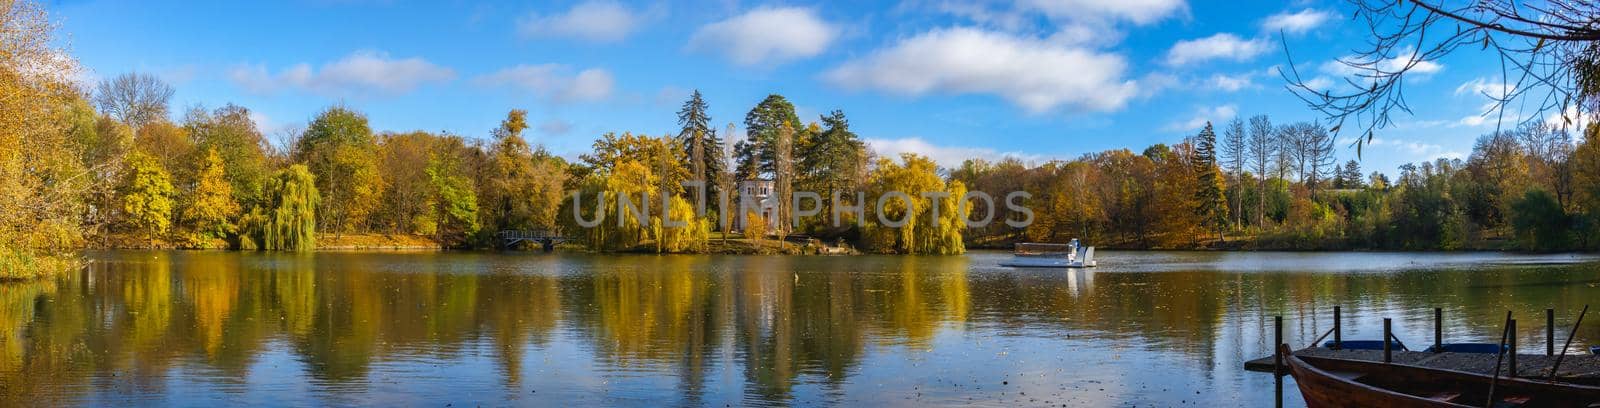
[[946, 156], [1320, 83], [1486, 88], [1343, 66], [1231, 83], [598, 21], [1134, 11], [766, 36], [1036, 75], [1417, 150], [1569, 119], [554, 82], [1296, 22], [1219, 46], [1214, 115], [359, 74]]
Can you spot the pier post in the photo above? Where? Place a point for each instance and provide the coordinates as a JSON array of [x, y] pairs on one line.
[[1338, 340], [1277, 360], [1439, 328], [1512, 344], [1386, 351], [1549, 332]]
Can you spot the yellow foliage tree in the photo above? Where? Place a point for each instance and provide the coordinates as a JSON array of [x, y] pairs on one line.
[[147, 196], [211, 210]]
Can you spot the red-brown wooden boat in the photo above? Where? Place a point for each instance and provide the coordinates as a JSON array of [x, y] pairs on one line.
[[1328, 382]]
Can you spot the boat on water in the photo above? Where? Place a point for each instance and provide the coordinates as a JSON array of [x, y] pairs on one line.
[[1042, 255], [1329, 382]]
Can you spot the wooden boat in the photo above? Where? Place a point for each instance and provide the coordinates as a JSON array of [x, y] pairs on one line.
[[1327, 382], [1039, 255]]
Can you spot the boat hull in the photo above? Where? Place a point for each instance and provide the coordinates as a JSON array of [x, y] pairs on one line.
[[1336, 383], [1040, 262]]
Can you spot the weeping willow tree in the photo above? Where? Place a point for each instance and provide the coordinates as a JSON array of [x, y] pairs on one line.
[[287, 220], [907, 221]]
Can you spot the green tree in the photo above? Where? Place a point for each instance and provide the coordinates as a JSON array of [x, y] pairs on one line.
[[1540, 222], [286, 220], [147, 196], [211, 208], [453, 202], [338, 147], [1212, 204], [231, 133], [835, 161], [701, 145], [758, 153]]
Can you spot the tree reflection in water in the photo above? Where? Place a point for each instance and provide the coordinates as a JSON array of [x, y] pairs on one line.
[[697, 330]]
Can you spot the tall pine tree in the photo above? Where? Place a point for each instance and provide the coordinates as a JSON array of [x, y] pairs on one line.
[[701, 145], [1211, 204]]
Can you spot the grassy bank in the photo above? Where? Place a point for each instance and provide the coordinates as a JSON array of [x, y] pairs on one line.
[[26, 265]]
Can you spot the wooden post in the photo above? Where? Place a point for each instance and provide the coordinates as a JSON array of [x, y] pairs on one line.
[[1512, 344], [1277, 360], [1338, 340], [1439, 330], [1549, 332], [1386, 353]]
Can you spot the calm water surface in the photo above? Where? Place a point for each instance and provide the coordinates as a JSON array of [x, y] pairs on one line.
[[468, 329]]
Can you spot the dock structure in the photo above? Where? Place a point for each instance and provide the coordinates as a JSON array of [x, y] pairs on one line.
[[1581, 368], [547, 240]]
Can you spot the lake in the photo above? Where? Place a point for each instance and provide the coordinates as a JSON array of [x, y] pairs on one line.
[[528, 329]]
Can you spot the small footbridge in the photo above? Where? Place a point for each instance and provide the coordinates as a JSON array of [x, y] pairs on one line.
[[547, 240]]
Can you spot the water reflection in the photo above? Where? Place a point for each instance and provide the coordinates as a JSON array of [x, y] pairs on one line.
[[1161, 328]]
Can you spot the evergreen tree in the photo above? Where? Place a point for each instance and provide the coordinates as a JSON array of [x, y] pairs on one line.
[[1211, 202], [758, 152], [830, 163], [701, 145], [147, 196]]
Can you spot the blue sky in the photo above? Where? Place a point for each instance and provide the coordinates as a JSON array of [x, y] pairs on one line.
[[1038, 79]]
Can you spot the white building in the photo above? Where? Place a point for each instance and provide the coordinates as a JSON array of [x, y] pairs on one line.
[[758, 192]]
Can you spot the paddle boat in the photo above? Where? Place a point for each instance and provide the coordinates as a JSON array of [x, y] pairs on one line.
[[1043, 255]]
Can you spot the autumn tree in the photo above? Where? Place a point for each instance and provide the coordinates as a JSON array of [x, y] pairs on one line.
[[232, 134], [136, 99], [909, 192], [524, 186], [209, 214], [147, 196], [338, 147], [41, 188]]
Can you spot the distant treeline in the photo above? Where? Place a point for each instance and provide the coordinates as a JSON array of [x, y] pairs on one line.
[[1531, 188]]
